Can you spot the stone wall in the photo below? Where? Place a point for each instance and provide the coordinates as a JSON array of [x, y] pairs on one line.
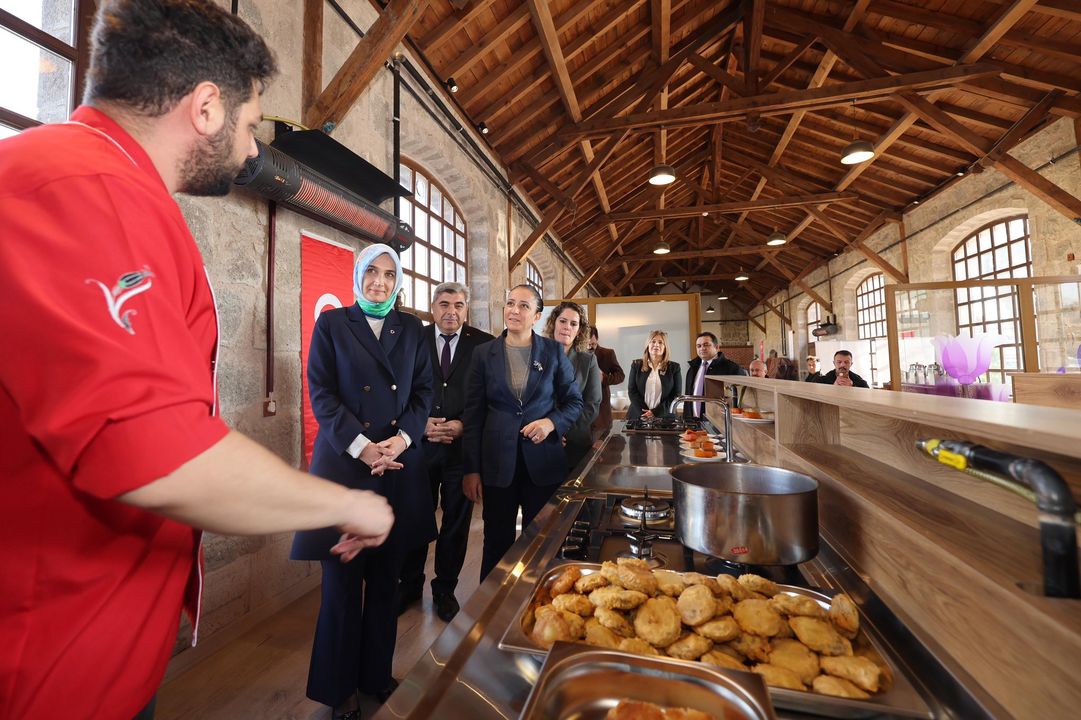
[[935, 227], [248, 578]]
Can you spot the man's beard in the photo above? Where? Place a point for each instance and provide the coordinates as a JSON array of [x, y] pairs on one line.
[[209, 170]]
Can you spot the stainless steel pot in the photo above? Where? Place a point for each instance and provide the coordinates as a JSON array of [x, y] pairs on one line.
[[753, 514]]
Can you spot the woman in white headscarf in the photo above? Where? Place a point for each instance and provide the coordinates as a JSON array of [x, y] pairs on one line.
[[369, 377]]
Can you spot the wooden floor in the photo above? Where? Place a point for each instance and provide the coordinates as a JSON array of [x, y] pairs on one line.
[[263, 673]]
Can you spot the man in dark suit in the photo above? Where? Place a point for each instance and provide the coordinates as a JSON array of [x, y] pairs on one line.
[[842, 372], [450, 342], [710, 361], [611, 374]]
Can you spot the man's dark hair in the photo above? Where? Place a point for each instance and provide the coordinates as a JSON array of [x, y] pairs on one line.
[[706, 333], [842, 352], [593, 332], [148, 54]]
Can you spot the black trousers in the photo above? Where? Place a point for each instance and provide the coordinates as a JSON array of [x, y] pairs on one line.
[[445, 478], [357, 627], [500, 511]]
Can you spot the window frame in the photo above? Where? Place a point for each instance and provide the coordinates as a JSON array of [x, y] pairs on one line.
[[871, 317], [965, 299], [78, 54], [533, 277], [423, 239]]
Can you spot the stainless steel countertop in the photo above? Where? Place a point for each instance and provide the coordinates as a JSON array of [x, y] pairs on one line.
[[464, 674]]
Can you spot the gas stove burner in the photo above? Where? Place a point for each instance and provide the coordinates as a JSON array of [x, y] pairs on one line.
[[647, 508], [659, 426]]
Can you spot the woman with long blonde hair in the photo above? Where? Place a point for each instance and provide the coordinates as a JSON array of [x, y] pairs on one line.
[[654, 381]]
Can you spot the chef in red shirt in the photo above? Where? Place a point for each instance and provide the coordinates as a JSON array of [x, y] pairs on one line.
[[111, 450]]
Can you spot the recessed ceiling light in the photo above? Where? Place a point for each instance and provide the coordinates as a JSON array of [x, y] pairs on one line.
[[662, 175]]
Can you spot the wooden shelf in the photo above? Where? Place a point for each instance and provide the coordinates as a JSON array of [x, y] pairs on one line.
[[952, 553]]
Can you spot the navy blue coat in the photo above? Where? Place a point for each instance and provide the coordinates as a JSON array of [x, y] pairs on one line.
[[493, 416], [360, 384]]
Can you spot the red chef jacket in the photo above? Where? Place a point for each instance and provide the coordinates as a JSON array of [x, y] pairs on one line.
[[109, 336]]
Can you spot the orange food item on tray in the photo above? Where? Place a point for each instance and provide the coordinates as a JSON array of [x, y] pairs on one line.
[[707, 444], [704, 453], [689, 435], [737, 411], [753, 414]]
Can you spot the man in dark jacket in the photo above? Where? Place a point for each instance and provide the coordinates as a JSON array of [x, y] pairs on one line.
[[451, 344], [611, 374], [841, 373], [710, 361]]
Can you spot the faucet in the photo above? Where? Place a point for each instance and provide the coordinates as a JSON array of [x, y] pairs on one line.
[[1036, 481], [729, 456]]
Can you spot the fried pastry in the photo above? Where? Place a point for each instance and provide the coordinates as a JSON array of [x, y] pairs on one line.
[[859, 671], [576, 623], [686, 714], [566, 580], [757, 618], [820, 636], [794, 656], [573, 602], [758, 584], [696, 605], [636, 575], [796, 605], [752, 647], [588, 583], [838, 687], [600, 636], [670, 583], [690, 646], [615, 621], [610, 571], [657, 621], [844, 616], [719, 629], [693, 578], [723, 659], [550, 626], [638, 646], [777, 676], [614, 597], [731, 586]]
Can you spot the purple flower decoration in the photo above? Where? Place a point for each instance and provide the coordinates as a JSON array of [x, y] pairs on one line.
[[966, 358]]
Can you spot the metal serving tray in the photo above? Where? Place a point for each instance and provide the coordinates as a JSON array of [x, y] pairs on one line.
[[900, 699], [576, 683]]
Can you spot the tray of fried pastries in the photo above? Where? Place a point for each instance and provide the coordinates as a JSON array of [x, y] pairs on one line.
[[810, 648], [582, 683]]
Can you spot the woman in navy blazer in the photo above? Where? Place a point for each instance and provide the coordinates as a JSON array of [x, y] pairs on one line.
[[521, 401], [654, 368], [370, 381]]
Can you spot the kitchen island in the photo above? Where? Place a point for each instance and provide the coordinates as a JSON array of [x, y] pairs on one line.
[[465, 674]]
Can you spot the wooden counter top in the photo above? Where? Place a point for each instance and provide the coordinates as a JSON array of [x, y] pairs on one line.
[[958, 558]]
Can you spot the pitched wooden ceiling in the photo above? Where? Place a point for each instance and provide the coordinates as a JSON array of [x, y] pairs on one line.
[[752, 102]]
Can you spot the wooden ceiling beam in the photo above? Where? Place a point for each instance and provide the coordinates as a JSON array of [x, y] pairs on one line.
[[753, 19], [512, 23], [826, 304], [736, 206], [787, 61], [311, 71], [364, 62], [454, 23], [781, 103]]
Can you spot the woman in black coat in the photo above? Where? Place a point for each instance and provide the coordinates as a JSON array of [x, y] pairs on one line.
[[567, 325], [370, 381], [654, 381]]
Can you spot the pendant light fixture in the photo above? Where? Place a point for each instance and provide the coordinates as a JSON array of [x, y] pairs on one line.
[[857, 151], [661, 248], [710, 310], [776, 238], [723, 295], [662, 174], [660, 280], [741, 276]]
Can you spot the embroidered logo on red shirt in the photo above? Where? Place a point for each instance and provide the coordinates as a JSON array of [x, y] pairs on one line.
[[127, 286]]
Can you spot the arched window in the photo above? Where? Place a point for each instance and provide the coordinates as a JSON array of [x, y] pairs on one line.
[[533, 277], [438, 255], [871, 320], [41, 42], [814, 317], [999, 250]]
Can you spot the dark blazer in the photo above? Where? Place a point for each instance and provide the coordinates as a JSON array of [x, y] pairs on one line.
[[359, 384], [611, 374], [448, 397], [588, 378], [671, 384], [719, 365], [494, 417], [831, 377]]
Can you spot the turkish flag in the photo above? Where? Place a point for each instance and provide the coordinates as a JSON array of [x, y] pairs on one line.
[[326, 281]]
